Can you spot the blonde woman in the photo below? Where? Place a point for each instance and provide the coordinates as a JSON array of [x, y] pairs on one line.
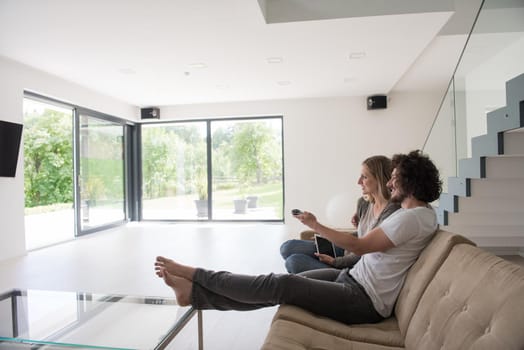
[[301, 255]]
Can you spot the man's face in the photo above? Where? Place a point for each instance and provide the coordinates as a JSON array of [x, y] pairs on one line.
[[397, 194]]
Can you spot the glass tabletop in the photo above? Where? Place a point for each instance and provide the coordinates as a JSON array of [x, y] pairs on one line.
[[61, 320]]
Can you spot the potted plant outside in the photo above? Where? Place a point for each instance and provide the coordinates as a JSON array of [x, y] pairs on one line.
[[252, 201], [240, 203], [201, 202]]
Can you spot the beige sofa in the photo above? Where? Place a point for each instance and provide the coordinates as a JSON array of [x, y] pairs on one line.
[[456, 296]]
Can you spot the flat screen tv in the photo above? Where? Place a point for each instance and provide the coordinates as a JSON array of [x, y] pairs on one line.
[[10, 137]]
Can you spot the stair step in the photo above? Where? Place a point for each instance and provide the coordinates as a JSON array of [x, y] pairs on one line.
[[515, 101], [476, 204], [442, 215], [487, 145], [472, 168], [505, 167], [514, 142], [489, 187], [448, 202], [498, 120], [459, 186], [487, 218]]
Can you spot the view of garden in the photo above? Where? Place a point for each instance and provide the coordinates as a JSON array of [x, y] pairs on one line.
[[246, 162], [242, 180]]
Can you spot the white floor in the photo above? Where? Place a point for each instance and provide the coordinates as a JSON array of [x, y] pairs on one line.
[[121, 261]]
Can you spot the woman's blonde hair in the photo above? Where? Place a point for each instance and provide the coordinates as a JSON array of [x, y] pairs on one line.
[[380, 168]]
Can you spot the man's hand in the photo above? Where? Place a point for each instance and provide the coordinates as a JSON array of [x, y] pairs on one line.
[[326, 259], [307, 219]]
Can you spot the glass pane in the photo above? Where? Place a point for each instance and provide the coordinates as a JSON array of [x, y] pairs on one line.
[[54, 320], [174, 171], [494, 54], [101, 172], [48, 173], [247, 169], [441, 142]]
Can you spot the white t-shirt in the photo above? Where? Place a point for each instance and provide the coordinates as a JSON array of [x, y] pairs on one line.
[[382, 274]]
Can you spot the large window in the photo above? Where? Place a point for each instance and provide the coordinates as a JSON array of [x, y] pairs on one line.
[[213, 170], [85, 171]]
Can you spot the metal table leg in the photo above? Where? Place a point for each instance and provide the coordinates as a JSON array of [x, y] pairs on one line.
[[200, 334]]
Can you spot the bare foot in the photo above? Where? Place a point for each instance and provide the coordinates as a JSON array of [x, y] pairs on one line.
[[174, 268], [180, 286]]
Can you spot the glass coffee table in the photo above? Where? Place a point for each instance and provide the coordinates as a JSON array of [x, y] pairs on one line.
[[37, 319]]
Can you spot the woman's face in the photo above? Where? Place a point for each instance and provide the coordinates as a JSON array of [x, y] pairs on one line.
[[368, 182]]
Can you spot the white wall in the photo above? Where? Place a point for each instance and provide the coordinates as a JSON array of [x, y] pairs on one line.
[[15, 78], [325, 142]]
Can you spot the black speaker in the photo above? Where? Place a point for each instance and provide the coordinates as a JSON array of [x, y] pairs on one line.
[[150, 113], [377, 102]]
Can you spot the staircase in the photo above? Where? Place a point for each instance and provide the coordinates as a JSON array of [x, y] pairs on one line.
[[486, 201]]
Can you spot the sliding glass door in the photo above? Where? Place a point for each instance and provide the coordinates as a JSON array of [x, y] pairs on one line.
[[48, 173], [100, 172]]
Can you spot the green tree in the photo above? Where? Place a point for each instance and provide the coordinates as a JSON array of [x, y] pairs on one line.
[[173, 159], [255, 157], [158, 163], [48, 165]]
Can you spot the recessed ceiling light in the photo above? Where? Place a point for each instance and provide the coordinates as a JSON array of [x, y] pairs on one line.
[[127, 71], [357, 55], [198, 65], [284, 82], [274, 60]]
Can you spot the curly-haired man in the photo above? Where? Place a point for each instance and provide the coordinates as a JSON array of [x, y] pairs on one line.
[[364, 294]]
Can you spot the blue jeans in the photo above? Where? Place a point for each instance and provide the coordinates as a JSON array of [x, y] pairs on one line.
[[299, 255]]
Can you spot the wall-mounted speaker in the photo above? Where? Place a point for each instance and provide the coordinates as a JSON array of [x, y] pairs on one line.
[[377, 102], [150, 113]]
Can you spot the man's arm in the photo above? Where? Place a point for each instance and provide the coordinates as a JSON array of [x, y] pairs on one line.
[[373, 241]]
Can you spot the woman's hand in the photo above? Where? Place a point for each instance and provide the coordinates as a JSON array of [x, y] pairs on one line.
[[355, 219], [326, 259]]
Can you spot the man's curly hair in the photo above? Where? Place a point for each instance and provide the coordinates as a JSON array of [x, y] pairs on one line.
[[418, 176]]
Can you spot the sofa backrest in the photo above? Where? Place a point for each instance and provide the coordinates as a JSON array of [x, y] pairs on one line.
[[475, 301], [421, 273]]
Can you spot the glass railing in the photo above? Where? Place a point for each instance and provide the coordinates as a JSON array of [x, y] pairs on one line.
[[493, 54]]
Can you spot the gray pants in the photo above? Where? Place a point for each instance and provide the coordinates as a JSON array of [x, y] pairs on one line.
[[327, 292]]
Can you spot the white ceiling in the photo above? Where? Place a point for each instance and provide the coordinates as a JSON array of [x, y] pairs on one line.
[[144, 52]]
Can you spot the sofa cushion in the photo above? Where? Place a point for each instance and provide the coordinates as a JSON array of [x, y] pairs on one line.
[[475, 301], [421, 273], [289, 335], [385, 332]]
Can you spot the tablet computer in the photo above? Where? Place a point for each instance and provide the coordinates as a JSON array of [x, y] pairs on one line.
[[324, 246]]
